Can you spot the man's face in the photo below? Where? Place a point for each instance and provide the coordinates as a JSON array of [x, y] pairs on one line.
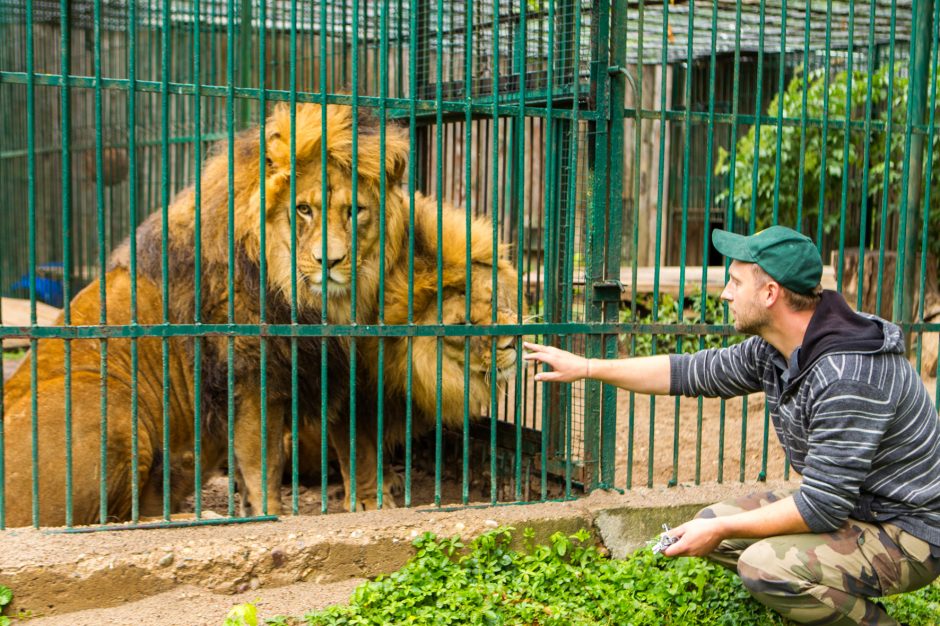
[[745, 296]]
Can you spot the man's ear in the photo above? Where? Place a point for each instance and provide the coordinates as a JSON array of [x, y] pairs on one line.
[[773, 293]]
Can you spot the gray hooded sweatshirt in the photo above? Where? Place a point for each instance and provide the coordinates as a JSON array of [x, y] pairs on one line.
[[852, 414]]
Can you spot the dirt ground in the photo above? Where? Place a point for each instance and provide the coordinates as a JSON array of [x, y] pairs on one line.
[[192, 606]]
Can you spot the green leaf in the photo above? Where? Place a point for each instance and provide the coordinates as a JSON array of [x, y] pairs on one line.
[[6, 596], [242, 615]]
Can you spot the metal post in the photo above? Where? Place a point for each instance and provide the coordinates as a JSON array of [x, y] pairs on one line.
[[905, 302]]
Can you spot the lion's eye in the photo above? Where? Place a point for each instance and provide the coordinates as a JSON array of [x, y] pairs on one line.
[[304, 209], [359, 210]]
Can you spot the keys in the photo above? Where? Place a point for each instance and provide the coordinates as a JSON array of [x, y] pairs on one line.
[[665, 540]]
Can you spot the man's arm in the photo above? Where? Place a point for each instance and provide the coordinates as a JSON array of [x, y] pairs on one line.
[[648, 375], [700, 537]]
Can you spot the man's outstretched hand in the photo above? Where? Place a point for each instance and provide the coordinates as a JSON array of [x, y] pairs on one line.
[[566, 367]]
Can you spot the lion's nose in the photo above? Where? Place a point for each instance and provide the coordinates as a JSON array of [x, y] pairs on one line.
[[505, 343], [331, 261]]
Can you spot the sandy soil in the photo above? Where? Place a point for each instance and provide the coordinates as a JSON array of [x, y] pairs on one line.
[[191, 606]]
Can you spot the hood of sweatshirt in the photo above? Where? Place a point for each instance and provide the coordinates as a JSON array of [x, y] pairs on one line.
[[835, 327]]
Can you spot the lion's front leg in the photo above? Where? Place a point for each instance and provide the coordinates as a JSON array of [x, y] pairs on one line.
[[366, 467], [248, 455]]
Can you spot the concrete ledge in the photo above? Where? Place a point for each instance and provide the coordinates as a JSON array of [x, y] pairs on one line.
[[54, 574]]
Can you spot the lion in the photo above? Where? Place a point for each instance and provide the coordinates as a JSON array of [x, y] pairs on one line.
[[258, 279], [483, 372], [83, 481], [425, 388]]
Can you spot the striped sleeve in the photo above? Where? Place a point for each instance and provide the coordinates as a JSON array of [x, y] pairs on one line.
[[723, 372], [847, 424]]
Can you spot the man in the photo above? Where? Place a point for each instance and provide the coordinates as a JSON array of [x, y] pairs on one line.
[[854, 419]]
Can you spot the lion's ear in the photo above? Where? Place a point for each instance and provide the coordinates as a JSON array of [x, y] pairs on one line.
[[396, 153], [276, 144]]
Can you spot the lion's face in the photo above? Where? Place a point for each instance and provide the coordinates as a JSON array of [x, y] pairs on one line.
[[326, 254], [482, 348], [492, 358], [335, 232]]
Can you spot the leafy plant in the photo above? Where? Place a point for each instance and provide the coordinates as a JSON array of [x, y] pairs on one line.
[[6, 596], [242, 615], [567, 581], [768, 184], [921, 607]]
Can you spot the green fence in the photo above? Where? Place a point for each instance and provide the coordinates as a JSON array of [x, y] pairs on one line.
[[600, 140]]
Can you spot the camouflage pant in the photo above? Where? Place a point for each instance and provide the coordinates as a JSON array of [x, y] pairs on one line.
[[826, 578]]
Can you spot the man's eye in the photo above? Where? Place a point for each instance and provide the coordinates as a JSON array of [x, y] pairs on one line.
[[304, 209]]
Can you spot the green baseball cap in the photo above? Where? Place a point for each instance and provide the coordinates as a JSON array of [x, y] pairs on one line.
[[789, 257]]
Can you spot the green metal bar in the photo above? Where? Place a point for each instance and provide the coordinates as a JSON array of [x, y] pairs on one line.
[[567, 298], [263, 264], [439, 187], [230, 231], [383, 78], [707, 221], [102, 264], [354, 280], [294, 426], [845, 145], [758, 107], [680, 302], [863, 219], [805, 92], [400, 75], [659, 228], [904, 306], [494, 282], [324, 200], [66, 121], [928, 173], [781, 90], [380, 391], [165, 230], [519, 196], [889, 117], [637, 165], [132, 243], [412, 181], [163, 524], [355, 85], [197, 278], [31, 207], [121, 331], [729, 221], [353, 350]]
